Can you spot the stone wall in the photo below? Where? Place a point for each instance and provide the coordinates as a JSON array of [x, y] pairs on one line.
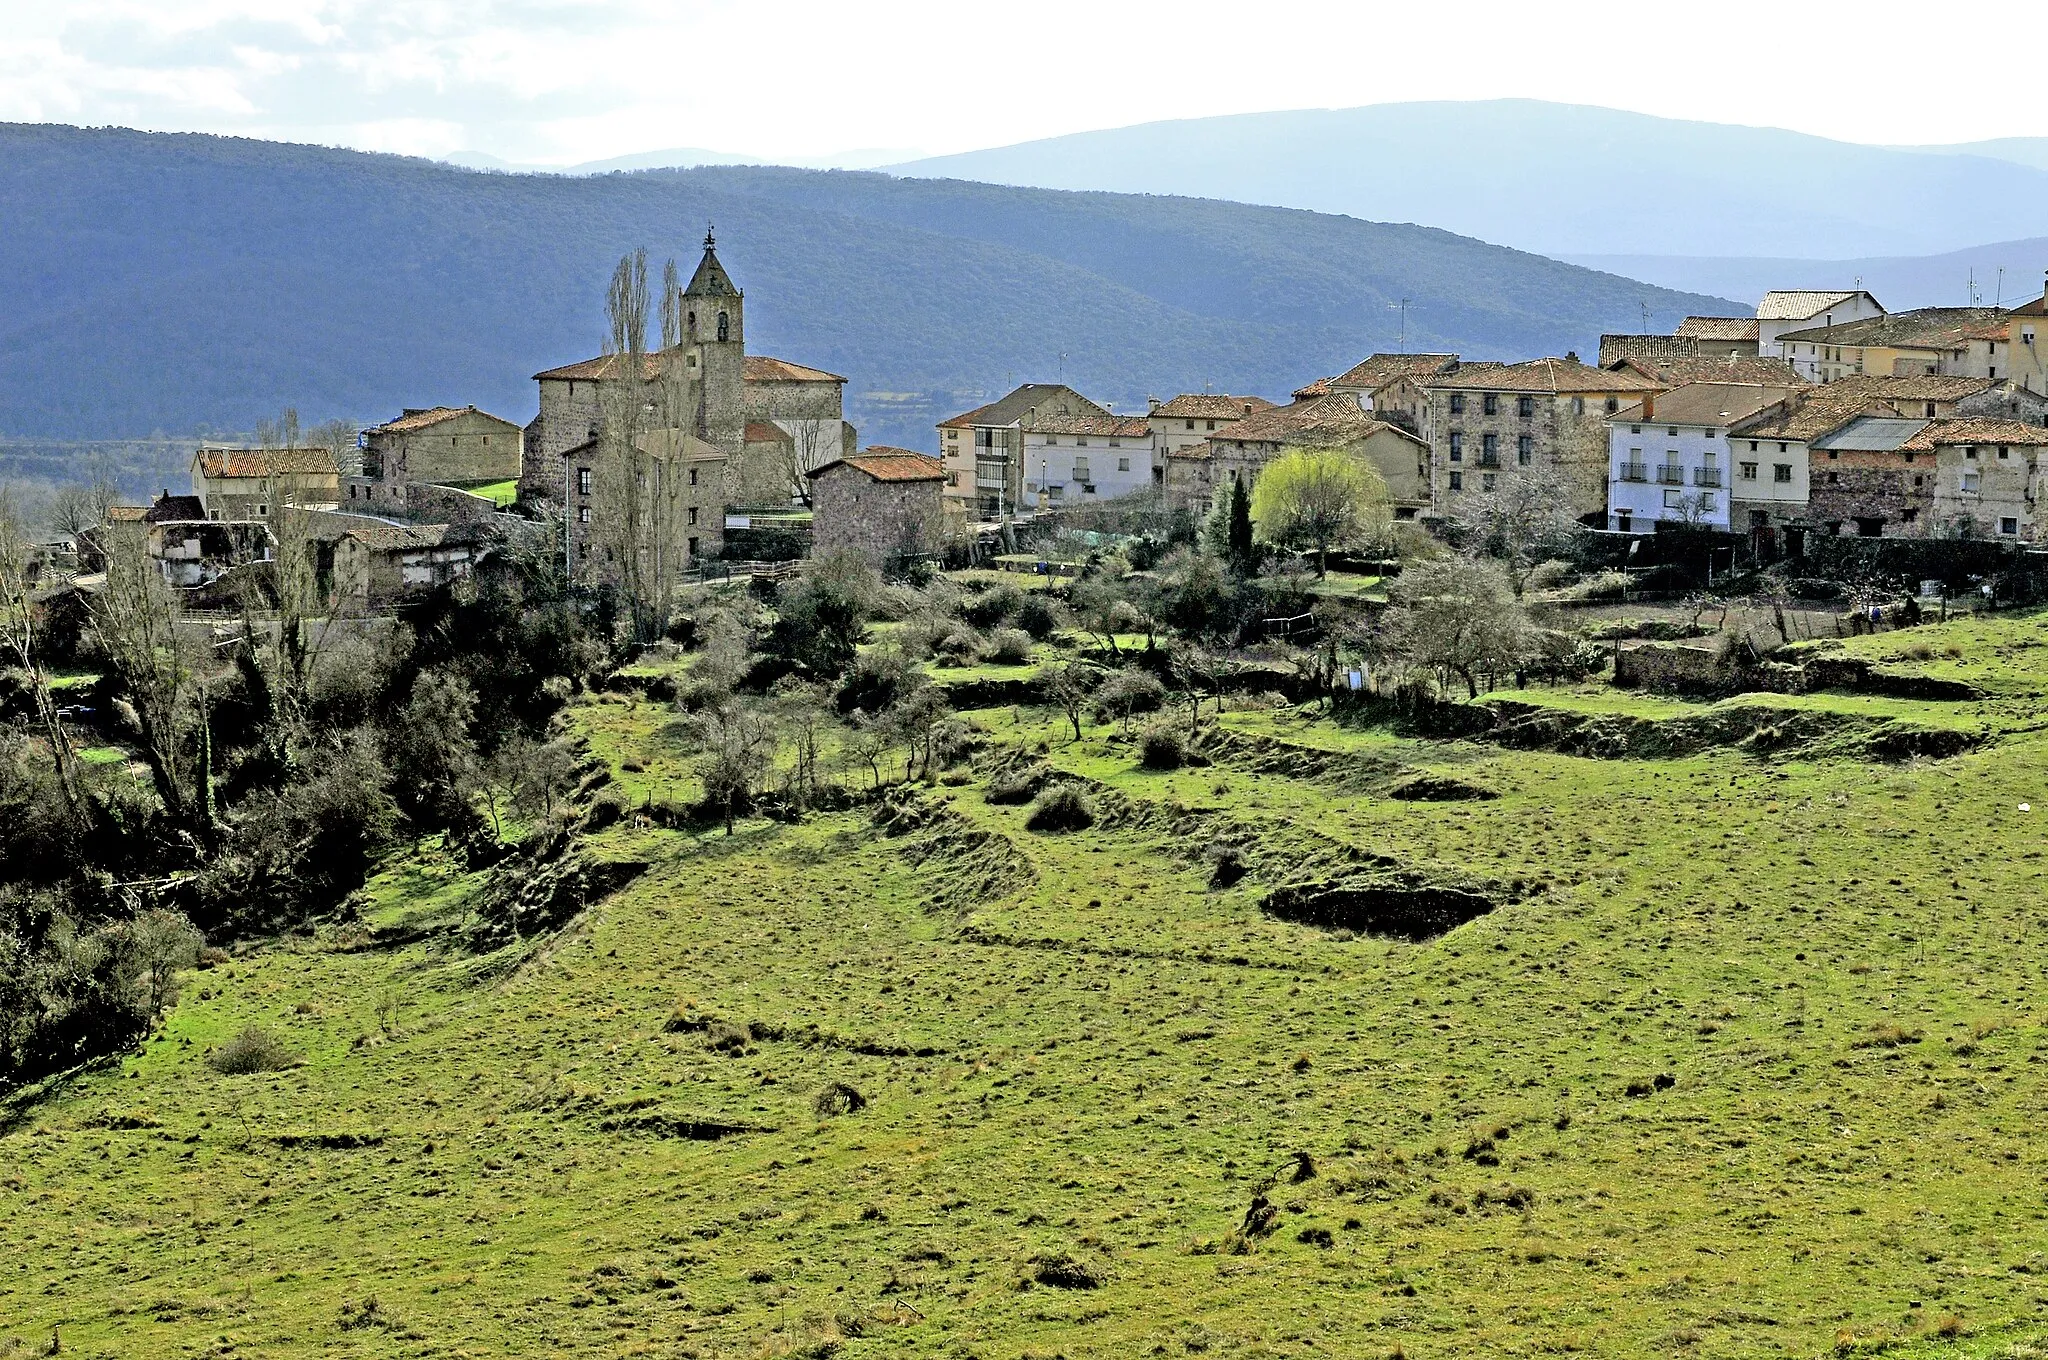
[[1854, 490], [851, 511], [1673, 669]]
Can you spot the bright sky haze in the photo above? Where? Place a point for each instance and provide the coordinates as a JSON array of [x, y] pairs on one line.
[[567, 81]]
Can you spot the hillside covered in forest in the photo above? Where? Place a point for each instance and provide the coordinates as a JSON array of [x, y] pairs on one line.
[[186, 283]]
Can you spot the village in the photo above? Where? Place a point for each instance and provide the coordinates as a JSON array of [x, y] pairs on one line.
[[1822, 415]]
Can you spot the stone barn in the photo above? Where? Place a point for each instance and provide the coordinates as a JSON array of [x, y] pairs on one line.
[[885, 504]]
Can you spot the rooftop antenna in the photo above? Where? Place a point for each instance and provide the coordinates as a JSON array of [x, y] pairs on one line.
[[1646, 315], [1402, 307], [1973, 286], [1999, 302]]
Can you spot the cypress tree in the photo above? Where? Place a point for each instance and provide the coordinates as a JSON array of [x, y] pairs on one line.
[[1242, 557]]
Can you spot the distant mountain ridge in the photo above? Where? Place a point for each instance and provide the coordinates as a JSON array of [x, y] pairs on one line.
[[174, 282], [1899, 282], [1557, 179]]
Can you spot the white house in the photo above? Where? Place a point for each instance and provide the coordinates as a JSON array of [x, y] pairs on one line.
[[1792, 310], [1073, 460], [1669, 458]]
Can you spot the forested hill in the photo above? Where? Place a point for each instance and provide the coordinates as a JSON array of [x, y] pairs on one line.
[[184, 283]]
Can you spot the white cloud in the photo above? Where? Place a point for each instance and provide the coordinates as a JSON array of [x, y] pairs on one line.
[[571, 80]]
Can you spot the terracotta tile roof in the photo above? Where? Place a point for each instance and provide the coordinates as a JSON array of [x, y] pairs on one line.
[[1998, 329], [1333, 418], [1210, 406], [253, 463], [1924, 387], [1728, 368], [1926, 328], [1376, 372], [889, 465], [1319, 388], [1703, 405], [397, 537], [1115, 427], [1018, 406], [600, 369], [1538, 375], [127, 514], [169, 509], [1811, 414], [765, 432], [421, 419], [1796, 305], [759, 368], [1977, 431], [1736, 328]]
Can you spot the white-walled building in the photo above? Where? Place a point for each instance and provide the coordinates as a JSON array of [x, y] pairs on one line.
[[1783, 311], [1075, 460], [1669, 455]]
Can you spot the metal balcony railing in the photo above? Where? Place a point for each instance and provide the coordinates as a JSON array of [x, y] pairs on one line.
[[1634, 472], [1669, 474], [1706, 476]]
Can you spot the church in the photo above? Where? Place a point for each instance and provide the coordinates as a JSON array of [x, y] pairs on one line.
[[754, 424]]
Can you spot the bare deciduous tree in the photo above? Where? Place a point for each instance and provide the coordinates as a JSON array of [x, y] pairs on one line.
[[19, 644], [134, 621], [1459, 616], [1525, 521]]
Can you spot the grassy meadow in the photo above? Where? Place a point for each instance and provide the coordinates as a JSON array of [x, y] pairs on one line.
[[1746, 1060]]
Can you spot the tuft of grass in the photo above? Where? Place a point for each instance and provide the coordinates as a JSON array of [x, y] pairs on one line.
[[255, 1049], [1063, 807]]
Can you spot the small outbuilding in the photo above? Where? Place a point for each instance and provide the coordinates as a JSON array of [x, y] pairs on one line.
[[885, 504]]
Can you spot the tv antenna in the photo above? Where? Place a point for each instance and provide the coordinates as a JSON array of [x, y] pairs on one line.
[[1402, 307], [1646, 315]]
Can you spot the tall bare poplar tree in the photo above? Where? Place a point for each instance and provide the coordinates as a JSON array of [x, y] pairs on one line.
[[19, 645], [134, 620]]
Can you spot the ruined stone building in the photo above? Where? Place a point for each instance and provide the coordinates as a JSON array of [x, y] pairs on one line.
[[454, 446]]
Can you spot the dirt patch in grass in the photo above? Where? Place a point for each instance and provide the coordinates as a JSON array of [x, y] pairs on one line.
[[657, 1124], [1402, 909]]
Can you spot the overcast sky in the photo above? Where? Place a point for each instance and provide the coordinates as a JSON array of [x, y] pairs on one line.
[[562, 81]]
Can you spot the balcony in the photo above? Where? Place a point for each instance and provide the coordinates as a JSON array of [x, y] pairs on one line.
[[1670, 474], [1489, 460], [1706, 476], [1634, 472]]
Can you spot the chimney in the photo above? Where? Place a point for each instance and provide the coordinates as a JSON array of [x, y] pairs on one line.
[[1247, 408], [1571, 356], [1649, 406], [1152, 405]]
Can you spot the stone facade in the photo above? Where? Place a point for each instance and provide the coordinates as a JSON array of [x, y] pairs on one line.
[[674, 464], [234, 484], [1551, 414], [1987, 478], [885, 504], [443, 444], [795, 421]]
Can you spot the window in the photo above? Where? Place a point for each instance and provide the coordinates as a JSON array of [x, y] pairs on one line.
[[1082, 441], [1191, 425], [1490, 404], [583, 514], [1486, 481], [1081, 473], [722, 335], [1671, 431], [693, 476], [2026, 335], [583, 481], [1709, 434], [1753, 443], [1525, 449], [693, 514], [1969, 483], [1930, 410], [1672, 500], [1457, 403], [1833, 454], [2009, 525], [1212, 424], [1621, 521], [1052, 439], [1834, 478], [1123, 465], [1613, 405], [1457, 481], [1116, 443], [693, 546], [1457, 446], [1748, 472], [1781, 472], [1578, 406], [2003, 451], [262, 510], [1525, 407], [1635, 429], [1919, 481], [1909, 516], [1489, 446]]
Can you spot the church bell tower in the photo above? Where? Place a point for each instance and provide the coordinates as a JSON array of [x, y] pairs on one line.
[[714, 336]]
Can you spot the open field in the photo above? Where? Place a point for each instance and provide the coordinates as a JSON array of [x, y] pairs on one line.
[[1742, 1055]]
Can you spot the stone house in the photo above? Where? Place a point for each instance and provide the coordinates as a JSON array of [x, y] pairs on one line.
[[678, 470], [1672, 370], [1364, 381], [1935, 397], [233, 484], [1772, 458], [1674, 462], [983, 449], [1195, 476], [1550, 414], [1076, 460], [456, 445], [1987, 478], [1737, 335], [373, 563], [1867, 481], [885, 504], [1190, 419], [2026, 345]]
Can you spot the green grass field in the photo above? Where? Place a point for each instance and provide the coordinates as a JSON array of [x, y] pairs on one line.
[[1746, 1060]]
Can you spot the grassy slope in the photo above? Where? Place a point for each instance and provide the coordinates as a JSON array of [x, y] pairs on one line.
[[1100, 1081]]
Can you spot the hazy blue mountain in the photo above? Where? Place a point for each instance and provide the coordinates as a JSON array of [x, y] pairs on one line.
[[1899, 282], [681, 158], [1552, 178], [2030, 151], [179, 282]]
